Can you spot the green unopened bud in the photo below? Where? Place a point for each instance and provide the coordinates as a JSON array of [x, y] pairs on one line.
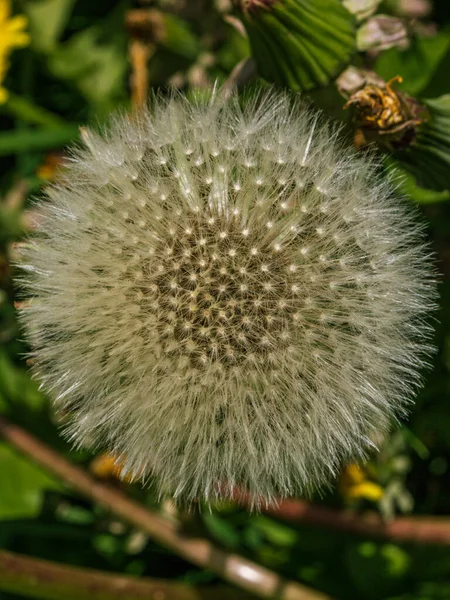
[[382, 32], [301, 44]]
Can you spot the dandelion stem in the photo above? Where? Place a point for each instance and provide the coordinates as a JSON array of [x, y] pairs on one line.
[[231, 567]]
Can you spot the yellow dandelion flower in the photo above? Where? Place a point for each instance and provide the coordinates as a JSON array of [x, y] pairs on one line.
[[12, 35], [354, 484], [108, 466]]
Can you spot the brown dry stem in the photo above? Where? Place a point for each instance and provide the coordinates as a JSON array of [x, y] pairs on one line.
[[232, 568], [46, 580], [423, 530], [146, 28]]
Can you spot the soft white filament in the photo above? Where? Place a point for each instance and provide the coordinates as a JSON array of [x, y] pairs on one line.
[[227, 297]]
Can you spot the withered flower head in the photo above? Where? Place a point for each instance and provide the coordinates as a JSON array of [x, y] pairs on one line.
[[380, 111]]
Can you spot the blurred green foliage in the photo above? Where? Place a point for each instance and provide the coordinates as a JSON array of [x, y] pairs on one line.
[[76, 69]]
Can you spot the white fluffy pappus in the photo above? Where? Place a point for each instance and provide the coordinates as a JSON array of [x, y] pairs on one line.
[[227, 297]]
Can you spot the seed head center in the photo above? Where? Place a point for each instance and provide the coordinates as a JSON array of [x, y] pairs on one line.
[[221, 292]]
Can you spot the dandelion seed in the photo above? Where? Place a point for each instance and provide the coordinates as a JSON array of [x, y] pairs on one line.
[[261, 350]]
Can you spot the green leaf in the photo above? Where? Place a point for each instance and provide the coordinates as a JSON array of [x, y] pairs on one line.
[[276, 533], [95, 63], [221, 530], [428, 157], [178, 37], [24, 109], [14, 383], [36, 139], [415, 443], [47, 20], [408, 186], [78, 515], [23, 484], [10, 224], [235, 49], [438, 84], [294, 45], [417, 64], [367, 560], [107, 545], [397, 560]]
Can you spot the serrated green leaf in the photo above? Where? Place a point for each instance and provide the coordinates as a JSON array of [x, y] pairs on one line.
[[294, 46]]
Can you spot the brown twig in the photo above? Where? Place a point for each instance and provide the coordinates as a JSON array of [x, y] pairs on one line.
[[146, 29], [45, 580], [424, 530], [231, 567], [140, 54]]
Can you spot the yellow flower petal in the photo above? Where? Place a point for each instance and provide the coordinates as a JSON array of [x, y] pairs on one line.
[[107, 466], [5, 11], [354, 474], [17, 23], [12, 35], [20, 40], [3, 95], [367, 490]]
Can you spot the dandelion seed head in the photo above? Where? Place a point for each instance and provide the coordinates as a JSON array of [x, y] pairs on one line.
[[223, 310]]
